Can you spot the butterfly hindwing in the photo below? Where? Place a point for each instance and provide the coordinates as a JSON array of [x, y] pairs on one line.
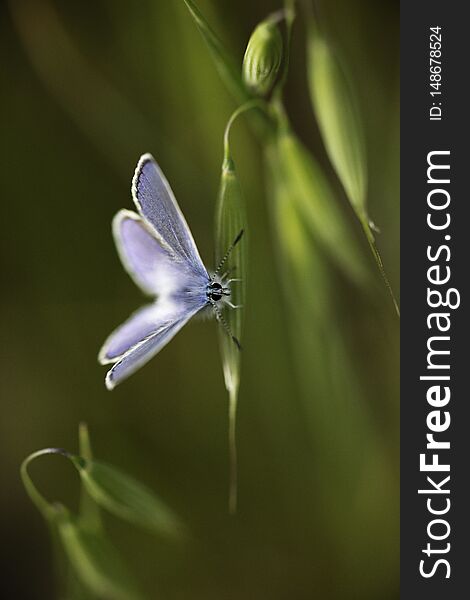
[[153, 268], [140, 325], [147, 348]]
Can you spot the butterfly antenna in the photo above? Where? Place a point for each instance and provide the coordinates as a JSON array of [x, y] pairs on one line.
[[229, 251], [225, 325]]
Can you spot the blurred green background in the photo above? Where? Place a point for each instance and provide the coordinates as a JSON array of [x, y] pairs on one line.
[[85, 89]]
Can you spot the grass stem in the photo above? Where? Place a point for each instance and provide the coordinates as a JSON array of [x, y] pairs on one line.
[[378, 259], [255, 103], [233, 458]]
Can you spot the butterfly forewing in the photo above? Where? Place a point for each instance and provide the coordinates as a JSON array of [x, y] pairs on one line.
[[156, 202]]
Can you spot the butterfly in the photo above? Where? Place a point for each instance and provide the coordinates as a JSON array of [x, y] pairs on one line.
[[158, 251]]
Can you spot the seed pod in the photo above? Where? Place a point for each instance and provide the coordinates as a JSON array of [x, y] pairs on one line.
[[262, 58], [229, 222]]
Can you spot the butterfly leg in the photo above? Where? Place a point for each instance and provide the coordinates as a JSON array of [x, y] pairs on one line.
[[228, 272], [233, 305]]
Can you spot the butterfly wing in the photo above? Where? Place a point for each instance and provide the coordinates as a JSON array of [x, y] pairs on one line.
[[152, 267], [158, 251], [139, 326], [140, 338], [157, 204]]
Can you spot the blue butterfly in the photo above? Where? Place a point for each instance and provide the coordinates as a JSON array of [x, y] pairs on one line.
[[159, 253]]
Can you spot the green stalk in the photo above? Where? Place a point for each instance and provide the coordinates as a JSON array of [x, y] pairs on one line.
[[233, 455], [90, 515], [254, 103], [230, 219], [378, 259]]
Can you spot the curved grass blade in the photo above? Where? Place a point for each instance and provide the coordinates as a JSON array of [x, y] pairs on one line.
[[47, 509], [95, 564]]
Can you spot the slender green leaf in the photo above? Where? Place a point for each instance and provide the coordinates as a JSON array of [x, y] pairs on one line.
[[127, 498], [76, 590], [228, 69], [337, 111]]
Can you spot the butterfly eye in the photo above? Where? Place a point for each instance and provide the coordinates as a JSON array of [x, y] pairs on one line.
[[215, 291]]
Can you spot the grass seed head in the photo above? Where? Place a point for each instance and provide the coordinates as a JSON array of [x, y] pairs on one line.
[[262, 58]]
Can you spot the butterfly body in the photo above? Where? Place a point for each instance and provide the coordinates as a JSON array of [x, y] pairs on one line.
[[159, 253]]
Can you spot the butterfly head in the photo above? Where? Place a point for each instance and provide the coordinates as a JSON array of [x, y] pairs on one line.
[[216, 291]]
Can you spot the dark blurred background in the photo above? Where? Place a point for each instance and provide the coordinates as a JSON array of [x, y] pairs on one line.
[[86, 87]]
